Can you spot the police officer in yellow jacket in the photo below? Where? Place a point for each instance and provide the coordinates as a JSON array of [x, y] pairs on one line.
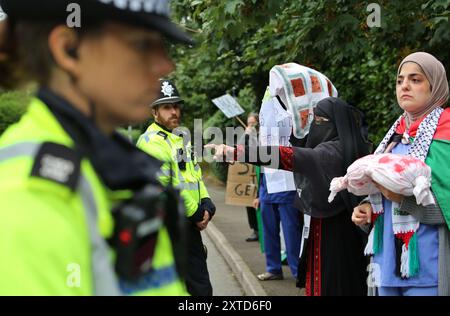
[[165, 141], [81, 209]]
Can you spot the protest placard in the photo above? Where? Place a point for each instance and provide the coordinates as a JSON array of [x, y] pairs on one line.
[[228, 105], [276, 129], [241, 184]]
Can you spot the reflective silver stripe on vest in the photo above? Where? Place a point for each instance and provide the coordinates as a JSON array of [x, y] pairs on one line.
[[105, 282], [182, 184], [168, 142], [163, 173], [147, 135], [180, 176], [155, 279], [104, 277], [189, 186], [27, 149]]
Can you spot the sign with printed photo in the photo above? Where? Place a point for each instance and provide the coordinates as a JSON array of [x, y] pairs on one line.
[[228, 105]]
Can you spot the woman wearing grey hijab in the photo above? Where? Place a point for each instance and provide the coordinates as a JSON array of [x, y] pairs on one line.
[[410, 243]]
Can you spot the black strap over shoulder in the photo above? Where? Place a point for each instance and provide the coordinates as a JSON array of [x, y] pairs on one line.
[[57, 163]]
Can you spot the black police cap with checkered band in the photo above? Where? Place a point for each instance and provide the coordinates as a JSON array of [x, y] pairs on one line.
[[168, 94], [152, 14]]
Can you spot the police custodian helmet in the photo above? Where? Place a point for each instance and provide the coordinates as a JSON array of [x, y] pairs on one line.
[[168, 93], [151, 14]]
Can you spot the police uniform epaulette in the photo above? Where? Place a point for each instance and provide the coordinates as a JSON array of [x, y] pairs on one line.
[[57, 163], [162, 134]]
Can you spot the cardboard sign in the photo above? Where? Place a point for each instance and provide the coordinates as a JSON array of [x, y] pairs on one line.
[[241, 185], [228, 105]]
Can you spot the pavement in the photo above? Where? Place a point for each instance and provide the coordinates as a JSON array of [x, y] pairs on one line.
[[227, 232], [223, 280]]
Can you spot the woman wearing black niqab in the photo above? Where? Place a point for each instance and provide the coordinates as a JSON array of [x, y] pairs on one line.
[[332, 260]]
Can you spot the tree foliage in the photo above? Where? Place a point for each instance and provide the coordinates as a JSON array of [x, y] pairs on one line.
[[12, 106], [239, 41]]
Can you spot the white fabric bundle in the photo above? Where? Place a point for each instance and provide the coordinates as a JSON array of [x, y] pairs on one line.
[[400, 174], [300, 88]]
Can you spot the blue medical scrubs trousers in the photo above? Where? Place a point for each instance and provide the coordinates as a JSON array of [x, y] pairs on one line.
[[272, 214]]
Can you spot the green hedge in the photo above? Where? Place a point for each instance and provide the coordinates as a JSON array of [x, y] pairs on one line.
[[135, 133], [12, 105], [219, 170]]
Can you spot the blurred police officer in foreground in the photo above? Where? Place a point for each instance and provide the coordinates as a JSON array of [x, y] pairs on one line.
[[163, 141], [81, 210]]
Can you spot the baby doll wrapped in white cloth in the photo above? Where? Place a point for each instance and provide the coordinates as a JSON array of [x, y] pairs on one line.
[[400, 174]]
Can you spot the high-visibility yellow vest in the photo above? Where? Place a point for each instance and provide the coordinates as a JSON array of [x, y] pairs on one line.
[[165, 146], [52, 237]]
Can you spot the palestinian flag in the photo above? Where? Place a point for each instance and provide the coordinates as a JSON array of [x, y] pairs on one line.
[[438, 159]]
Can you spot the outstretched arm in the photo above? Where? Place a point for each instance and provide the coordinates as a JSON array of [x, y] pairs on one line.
[[276, 157]]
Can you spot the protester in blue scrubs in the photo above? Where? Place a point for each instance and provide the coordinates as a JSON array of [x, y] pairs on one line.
[[276, 208]]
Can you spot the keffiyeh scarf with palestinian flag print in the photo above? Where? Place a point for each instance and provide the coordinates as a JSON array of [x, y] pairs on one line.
[[430, 139]]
